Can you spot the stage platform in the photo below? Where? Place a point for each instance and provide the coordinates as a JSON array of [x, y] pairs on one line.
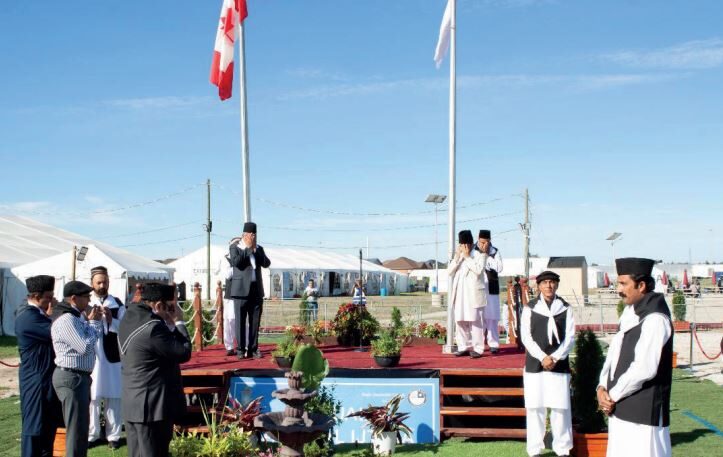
[[426, 357]]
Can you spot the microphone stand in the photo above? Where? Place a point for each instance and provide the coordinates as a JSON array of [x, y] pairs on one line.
[[361, 296]]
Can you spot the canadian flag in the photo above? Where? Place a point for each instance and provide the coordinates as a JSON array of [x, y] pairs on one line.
[[233, 12]]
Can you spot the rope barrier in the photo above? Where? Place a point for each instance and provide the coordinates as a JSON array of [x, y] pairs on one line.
[[9, 365], [212, 319], [695, 334], [209, 340]]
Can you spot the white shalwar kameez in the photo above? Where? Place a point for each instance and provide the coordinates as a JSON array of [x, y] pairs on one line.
[[229, 315], [548, 389], [628, 438], [468, 298], [492, 310], [106, 380]]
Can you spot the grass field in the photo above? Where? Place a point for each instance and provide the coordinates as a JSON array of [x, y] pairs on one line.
[[8, 347], [702, 399]]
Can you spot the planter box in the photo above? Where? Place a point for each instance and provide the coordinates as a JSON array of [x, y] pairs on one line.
[[420, 341], [681, 326], [59, 443], [675, 359], [387, 362], [589, 444]]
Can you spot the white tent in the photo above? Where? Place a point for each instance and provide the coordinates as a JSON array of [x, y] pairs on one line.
[[124, 269], [290, 271]]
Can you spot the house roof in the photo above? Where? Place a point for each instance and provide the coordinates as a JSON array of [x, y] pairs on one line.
[[567, 262], [403, 263]]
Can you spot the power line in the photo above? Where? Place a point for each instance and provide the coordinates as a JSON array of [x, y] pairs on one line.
[[159, 229], [160, 242]]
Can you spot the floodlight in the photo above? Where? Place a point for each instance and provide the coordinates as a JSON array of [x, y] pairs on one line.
[[81, 253], [434, 198], [614, 236]]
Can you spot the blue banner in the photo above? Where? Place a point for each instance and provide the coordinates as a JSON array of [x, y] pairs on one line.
[[420, 398]]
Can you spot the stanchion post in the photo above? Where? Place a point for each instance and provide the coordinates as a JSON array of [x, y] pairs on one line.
[[219, 313], [197, 318], [692, 331]]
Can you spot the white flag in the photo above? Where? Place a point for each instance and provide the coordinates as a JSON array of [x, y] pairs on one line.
[[444, 32]]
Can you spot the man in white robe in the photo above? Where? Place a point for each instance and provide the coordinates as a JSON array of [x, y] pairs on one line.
[[548, 332], [229, 315], [493, 267], [635, 382], [106, 386], [468, 297]]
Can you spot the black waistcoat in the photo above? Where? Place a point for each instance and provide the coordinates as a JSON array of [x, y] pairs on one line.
[[110, 339], [538, 329], [493, 278], [651, 403]]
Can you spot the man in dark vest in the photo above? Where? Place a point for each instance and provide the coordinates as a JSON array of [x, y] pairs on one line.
[[634, 388], [153, 344], [106, 376], [493, 268], [548, 333], [247, 289], [39, 406]]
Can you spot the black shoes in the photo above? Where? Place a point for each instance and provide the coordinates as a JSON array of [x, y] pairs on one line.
[[230, 352], [494, 350], [114, 444], [256, 355], [461, 353], [475, 355]]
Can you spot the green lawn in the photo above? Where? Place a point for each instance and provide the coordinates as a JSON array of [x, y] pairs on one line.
[[690, 438], [8, 347]]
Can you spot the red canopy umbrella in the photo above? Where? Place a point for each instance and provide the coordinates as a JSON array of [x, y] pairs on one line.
[[606, 280], [664, 279], [686, 284]]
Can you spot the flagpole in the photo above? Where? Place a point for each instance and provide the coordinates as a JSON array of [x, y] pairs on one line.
[[244, 123], [452, 201]]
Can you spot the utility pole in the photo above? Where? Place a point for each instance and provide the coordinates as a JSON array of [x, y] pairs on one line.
[[526, 233], [208, 227]]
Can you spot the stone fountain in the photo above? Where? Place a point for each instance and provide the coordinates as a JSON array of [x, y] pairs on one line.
[[294, 427]]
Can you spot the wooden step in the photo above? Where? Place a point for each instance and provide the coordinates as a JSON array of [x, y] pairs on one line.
[[203, 390], [482, 411], [481, 372], [515, 433], [489, 391]]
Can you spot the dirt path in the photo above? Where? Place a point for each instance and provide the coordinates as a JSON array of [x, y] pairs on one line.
[[9, 378]]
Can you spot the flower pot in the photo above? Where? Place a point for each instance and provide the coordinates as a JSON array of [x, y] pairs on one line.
[[420, 341], [675, 359], [284, 362], [59, 443], [589, 444], [387, 361], [681, 326], [384, 443]]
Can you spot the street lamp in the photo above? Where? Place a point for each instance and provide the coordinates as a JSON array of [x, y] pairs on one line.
[[614, 238], [436, 199]]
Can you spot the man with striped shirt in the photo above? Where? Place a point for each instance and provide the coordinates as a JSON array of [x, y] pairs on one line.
[[74, 339]]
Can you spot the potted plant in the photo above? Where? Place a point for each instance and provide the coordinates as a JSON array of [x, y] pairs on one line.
[[243, 416], [620, 308], [354, 325], [285, 351], [679, 311], [387, 425], [590, 429], [386, 350]]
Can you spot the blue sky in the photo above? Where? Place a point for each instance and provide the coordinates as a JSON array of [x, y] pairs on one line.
[[611, 113]]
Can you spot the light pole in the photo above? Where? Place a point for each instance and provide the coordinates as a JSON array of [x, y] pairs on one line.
[[614, 238], [436, 199]]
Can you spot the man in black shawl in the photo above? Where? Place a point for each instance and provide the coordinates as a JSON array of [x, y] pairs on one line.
[[153, 344], [39, 406]]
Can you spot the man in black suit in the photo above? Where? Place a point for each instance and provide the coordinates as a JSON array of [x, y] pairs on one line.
[[247, 289], [153, 344]]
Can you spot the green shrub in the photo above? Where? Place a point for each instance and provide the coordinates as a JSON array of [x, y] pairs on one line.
[[287, 347], [397, 325], [588, 364], [679, 306], [324, 403], [304, 313], [620, 308], [386, 345]]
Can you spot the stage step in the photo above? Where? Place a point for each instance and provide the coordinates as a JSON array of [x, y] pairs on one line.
[[508, 433], [203, 390], [484, 391], [482, 411], [482, 403]]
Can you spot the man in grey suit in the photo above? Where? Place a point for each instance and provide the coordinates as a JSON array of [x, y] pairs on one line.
[[153, 343], [247, 289]]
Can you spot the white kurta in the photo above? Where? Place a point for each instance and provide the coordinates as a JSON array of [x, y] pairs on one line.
[[628, 438], [547, 389], [468, 288], [106, 376]]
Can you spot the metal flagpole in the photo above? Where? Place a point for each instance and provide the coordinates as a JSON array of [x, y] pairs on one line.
[[449, 347], [244, 124]]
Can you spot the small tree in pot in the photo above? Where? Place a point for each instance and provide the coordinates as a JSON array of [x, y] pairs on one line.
[[386, 350], [285, 351], [387, 425], [590, 427]]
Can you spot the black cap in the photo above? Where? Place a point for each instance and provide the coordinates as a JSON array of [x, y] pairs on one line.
[[39, 284], [634, 266], [76, 288], [485, 234], [249, 227], [155, 291], [465, 237], [547, 274], [99, 270]]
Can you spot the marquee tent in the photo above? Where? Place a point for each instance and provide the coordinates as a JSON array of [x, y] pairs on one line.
[[124, 270], [290, 271]]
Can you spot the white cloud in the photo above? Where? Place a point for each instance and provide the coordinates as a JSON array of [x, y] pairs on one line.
[[698, 54]]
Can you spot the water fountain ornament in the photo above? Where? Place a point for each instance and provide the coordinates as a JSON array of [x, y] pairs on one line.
[[294, 427]]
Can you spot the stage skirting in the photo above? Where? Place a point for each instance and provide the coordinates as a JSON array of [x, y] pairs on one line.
[[420, 398]]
